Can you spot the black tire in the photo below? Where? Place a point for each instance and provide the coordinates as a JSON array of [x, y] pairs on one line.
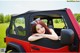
[[14, 48], [11, 50]]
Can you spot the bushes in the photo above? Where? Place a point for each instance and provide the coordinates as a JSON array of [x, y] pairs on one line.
[[77, 16], [58, 20], [1, 18], [4, 19]]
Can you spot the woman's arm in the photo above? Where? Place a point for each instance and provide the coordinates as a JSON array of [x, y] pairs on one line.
[[35, 37], [52, 36]]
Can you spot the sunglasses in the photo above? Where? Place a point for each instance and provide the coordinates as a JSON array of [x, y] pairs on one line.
[[35, 21]]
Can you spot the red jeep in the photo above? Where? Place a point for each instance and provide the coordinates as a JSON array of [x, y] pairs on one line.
[[20, 29]]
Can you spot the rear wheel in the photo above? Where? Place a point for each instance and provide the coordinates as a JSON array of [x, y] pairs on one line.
[[14, 48], [11, 50]]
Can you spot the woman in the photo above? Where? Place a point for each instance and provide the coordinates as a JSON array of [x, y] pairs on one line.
[[40, 30]]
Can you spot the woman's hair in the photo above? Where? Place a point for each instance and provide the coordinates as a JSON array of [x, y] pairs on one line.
[[47, 31]]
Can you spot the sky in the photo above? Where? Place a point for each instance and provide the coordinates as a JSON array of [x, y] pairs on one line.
[[22, 6]]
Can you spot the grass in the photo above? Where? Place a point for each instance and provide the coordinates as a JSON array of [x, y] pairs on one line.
[[3, 28]]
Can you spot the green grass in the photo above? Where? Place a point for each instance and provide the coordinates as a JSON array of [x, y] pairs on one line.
[[3, 28]]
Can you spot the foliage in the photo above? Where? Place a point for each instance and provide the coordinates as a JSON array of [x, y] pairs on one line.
[[58, 20], [20, 20], [4, 19], [1, 18], [7, 18], [77, 16]]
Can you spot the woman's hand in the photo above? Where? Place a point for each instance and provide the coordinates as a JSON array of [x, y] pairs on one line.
[[35, 37], [41, 35], [50, 36], [38, 35]]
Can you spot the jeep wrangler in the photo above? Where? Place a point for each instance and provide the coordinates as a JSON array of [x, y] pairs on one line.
[[20, 29]]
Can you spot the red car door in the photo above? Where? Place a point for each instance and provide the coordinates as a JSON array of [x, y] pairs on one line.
[[47, 48]]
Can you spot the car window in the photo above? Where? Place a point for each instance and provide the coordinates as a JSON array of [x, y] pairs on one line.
[[59, 23], [45, 21], [18, 27]]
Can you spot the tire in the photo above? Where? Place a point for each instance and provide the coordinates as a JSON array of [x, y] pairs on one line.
[[14, 48], [12, 51]]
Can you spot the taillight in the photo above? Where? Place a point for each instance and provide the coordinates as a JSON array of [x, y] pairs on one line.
[[4, 39]]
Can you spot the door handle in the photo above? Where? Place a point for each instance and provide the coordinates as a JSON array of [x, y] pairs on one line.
[[35, 48]]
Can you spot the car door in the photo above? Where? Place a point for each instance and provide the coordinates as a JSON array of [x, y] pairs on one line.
[[47, 45]]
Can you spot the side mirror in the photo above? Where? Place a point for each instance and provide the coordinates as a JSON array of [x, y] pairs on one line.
[[67, 36]]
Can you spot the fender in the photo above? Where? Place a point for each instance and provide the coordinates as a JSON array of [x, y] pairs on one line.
[[18, 47]]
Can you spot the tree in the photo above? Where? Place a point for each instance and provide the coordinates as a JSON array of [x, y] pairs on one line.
[[7, 18], [1, 18], [56, 21], [77, 16]]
